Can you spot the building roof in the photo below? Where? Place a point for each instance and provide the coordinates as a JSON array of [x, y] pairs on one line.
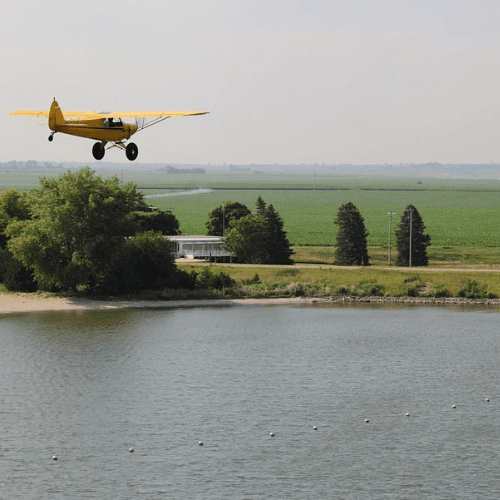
[[204, 239]]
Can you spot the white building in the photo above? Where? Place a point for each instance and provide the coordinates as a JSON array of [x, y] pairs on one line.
[[198, 247]]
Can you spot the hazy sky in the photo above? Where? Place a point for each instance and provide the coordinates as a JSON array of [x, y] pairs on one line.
[[285, 81]]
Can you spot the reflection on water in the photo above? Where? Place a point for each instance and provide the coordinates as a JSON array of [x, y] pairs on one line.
[[86, 386]]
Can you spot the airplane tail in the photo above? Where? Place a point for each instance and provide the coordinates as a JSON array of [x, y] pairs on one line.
[[55, 115]]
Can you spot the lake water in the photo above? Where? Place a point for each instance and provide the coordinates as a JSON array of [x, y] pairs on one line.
[[86, 386]]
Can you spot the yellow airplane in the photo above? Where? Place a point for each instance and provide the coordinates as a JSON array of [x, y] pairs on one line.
[[104, 127]]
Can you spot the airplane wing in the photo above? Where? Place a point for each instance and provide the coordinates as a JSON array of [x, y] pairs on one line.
[[150, 114], [90, 115], [84, 115], [41, 114]]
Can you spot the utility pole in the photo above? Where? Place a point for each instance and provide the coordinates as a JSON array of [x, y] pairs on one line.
[[390, 214], [411, 217]]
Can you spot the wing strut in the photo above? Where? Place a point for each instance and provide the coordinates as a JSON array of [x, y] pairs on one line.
[[152, 122]]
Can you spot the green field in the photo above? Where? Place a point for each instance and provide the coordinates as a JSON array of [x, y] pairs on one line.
[[456, 219], [458, 213], [453, 257]]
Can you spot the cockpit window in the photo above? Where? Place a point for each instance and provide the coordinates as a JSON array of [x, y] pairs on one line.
[[113, 122]]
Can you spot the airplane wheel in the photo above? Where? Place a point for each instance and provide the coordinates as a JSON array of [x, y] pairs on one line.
[[131, 151], [98, 151], [51, 138]]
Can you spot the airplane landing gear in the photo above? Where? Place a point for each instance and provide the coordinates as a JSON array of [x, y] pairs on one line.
[[51, 137], [131, 151], [98, 151]]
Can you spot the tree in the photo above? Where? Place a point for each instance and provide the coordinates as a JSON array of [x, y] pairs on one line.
[[277, 245], [260, 239], [419, 240], [261, 206], [246, 239], [13, 205], [162, 221], [221, 218], [78, 223], [144, 261], [351, 248], [13, 275]]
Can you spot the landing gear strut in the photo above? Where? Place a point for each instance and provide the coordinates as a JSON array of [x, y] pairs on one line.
[[98, 151], [131, 151]]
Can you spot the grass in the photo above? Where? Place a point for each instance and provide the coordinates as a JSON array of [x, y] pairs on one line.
[[465, 257], [326, 281], [271, 282]]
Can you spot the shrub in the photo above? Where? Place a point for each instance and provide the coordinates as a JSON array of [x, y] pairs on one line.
[[342, 290], [182, 280], [412, 291], [14, 276], [252, 281], [441, 292], [370, 288], [223, 280], [471, 289], [207, 280]]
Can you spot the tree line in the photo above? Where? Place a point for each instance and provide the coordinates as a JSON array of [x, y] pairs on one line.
[[79, 232], [261, 239], [82, 233]]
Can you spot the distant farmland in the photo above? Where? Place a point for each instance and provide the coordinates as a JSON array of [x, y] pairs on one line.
[[460, 219], [457, 212]]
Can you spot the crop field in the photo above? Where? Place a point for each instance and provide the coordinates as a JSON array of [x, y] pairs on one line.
[[453, 219], [457, 212], [152, 179]]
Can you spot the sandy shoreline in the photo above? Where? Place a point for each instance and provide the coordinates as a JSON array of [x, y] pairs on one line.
[[20, 303], [23, 303]]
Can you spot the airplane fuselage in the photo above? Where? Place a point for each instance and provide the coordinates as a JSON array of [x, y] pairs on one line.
[[95, 129]]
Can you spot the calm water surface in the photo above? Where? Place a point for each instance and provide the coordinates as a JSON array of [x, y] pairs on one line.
[[86, 386]]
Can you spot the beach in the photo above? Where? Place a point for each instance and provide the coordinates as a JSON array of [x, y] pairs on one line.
[[25, 302], [11, 303]]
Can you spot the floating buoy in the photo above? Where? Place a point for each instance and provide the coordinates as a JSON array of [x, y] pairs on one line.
[[367, 420], [407, 414], [487, 399], [315, 428], [131, 450], [271, 434], [454, 406], [200, 443], [54, 458]]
